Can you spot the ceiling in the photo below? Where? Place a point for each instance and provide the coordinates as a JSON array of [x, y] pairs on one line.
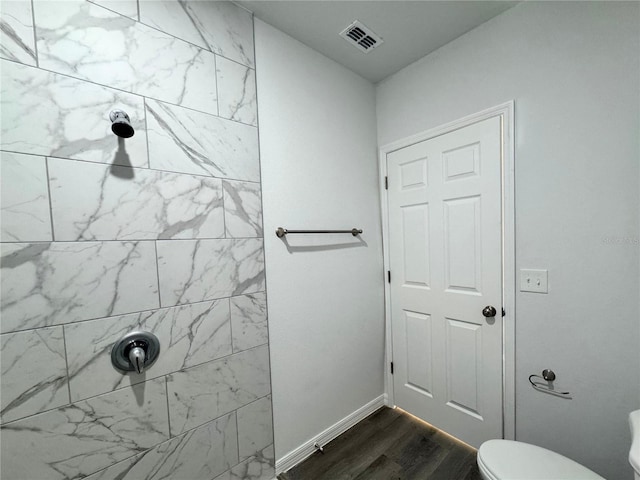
[[410, 29]]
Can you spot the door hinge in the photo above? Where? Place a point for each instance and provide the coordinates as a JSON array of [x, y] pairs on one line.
[[389, 275], [503, 312], [386, 183], [391, 368]]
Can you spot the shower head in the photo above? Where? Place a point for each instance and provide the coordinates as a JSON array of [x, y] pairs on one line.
[[121, 124]]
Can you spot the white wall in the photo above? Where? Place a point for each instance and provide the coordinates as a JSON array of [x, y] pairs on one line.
[[318, 156], [573, 70]]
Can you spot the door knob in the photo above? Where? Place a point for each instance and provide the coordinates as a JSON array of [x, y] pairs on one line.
[[135, 352], [489, 311]]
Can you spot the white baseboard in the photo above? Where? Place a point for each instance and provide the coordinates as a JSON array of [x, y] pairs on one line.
[[297, 455]]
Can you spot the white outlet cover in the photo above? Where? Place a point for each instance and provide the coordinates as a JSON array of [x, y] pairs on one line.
[[535, 281]]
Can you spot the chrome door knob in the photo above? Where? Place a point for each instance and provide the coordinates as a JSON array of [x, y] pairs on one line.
[[489, 311]]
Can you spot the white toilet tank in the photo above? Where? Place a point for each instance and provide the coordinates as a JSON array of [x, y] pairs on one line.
[[634, 453]]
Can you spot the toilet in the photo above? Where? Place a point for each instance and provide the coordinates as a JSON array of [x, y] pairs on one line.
[[511, 460]]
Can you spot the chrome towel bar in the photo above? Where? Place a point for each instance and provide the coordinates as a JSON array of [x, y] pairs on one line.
[[281, 232]]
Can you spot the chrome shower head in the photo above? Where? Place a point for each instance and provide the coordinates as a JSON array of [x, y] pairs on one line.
[[121, 124]]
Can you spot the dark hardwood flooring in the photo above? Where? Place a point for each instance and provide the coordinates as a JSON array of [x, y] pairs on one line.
[[389, 445]]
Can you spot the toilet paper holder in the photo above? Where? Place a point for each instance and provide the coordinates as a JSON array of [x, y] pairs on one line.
[[544, 383]]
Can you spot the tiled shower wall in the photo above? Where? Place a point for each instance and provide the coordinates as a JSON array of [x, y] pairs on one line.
[[102, 236]]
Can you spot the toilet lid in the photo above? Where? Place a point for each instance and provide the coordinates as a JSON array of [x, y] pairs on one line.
[[509, 460]]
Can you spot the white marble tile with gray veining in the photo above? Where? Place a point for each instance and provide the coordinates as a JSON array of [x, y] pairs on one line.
[[237, 92], [123, 54], [201, 453], [34, 372], [46, 284], [188, 335], [128, 8], [47, 114], [85, 437], [175, 17], [249, 321], [182, 140], [17, 40], [196, 270], [242, 209], [24, 199], [259, 467], [200, 394], [222, 27], [255, 427], [97, 202]]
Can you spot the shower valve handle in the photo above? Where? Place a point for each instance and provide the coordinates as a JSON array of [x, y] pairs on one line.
[[135, 352], [137, 357]]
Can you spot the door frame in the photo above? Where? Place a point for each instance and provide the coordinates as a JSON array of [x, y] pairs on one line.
[[506, 112]]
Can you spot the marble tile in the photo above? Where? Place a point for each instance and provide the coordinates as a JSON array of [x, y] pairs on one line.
[[47, 114], [249, 321], [175, 17], [17, 41], [237, 92], [96, 202], [242, 209], [128, 8], [198, 454], [86, 41], [82, 438], [200, 394], [24, 199], [222, 27], [196, 270], [188, 335], [182, 140], [260, 467], [255, 427], [34, 372], [46, 284]]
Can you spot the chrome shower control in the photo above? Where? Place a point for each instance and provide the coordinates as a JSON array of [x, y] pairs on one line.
[[135, 352]]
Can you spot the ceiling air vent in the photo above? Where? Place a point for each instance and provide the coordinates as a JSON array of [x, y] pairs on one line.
[[361, 36]]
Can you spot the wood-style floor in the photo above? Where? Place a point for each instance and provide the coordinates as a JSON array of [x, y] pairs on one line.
[[389, 445]]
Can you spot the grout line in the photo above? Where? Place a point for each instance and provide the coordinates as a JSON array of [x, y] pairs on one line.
[[215, 63], [237, 433], [224, 211], [155, 246], [104, 85], [146, 131], [256, 182], [66, 362], [138, 10], [233, 346], [135, 241], [46, 167], [166, 389], [35, 36]]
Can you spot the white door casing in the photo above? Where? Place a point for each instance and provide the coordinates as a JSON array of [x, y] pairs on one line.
[[445, 253]]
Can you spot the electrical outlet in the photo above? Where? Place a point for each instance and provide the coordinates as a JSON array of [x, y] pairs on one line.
[[533, 281]]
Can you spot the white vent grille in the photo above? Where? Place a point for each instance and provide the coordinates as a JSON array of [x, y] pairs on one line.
[[361, 36]]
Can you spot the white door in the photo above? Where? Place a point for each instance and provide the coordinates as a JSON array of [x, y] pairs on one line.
[[445, 253]]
